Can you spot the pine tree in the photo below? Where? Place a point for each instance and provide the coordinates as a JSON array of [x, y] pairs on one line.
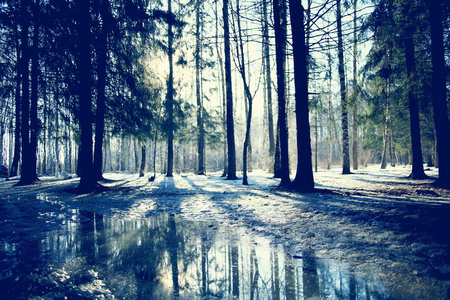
[[88, 181]]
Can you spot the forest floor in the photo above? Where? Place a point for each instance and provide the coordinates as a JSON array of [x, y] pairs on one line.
[[369, 217]]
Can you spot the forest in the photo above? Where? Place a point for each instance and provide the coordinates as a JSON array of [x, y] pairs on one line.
[[235, 149], [203, 86]]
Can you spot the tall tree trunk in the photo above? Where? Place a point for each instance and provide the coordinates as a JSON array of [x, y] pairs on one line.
[[229, 94], [344, 105], [143, 159], [34, 122], [14, 170], [330, 110], [222, 87], [101, 84], [416, 146], [26, 176], [57, 135], [154, 153], [316, 141], [304, 180], [136, 154], [279, 12], [169, 100], [355, 90], [277, 156], [45, 131], [88, 181], [268, 81], [387, 135], [2, 133], [440, 108], [198, 85], [248, 96]]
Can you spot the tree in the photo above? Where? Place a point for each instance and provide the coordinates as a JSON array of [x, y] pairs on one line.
[[279, 12], [395, 61], [248, 95], [417, 171], [304, 180], [440, 108], [343, 91], [200, 127], [355, 89], [102, 48], [88, 181], [169, 99], [229, 96], [268, 81], [223, 90], [14, 170], [29, 114]]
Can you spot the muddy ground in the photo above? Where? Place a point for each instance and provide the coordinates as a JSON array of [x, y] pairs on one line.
[[368, 218]]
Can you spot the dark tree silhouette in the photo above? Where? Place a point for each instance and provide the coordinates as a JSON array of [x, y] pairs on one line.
[[304, 180], [440, 92], [102, 48], [170, 95], [229, 95], [279, 13], [417, 171], [88, 181], [29, 114]]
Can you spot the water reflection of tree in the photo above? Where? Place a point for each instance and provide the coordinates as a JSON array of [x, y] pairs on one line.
[[254, 272], [311, 288], [172, 247], [165, 256], [235, 269], [275, 272]]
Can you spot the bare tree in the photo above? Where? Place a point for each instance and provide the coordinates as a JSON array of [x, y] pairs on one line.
[[304, 180], [229, 94]]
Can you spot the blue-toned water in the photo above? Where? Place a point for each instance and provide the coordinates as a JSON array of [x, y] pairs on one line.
[[88, 256]]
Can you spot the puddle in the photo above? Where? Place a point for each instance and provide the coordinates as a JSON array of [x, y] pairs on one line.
[[167, 257]]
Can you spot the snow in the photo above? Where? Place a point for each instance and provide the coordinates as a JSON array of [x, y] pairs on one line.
[[370, 218]]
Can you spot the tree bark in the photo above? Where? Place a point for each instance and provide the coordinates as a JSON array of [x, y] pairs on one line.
[[143, 159], [248, 96], [101, 85], [88, 181], [26, 176], [416, 146], [279, 12], [440, 108], [355, 91], [386, 134], [229, 95], [304, 180], [14, 170], [198, 85], [268, 81], [34, 122], [344, 104], [170, 95]]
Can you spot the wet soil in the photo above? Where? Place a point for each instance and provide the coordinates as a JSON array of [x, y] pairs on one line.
[[394, 224]]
